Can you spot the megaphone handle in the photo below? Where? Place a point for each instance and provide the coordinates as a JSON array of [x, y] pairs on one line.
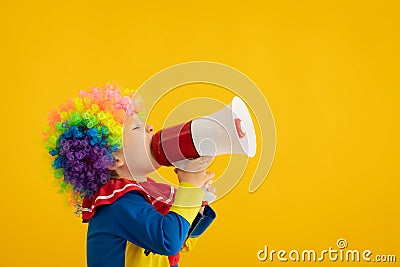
[[208, 196]]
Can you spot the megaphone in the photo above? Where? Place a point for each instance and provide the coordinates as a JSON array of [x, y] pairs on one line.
[[227, 131]]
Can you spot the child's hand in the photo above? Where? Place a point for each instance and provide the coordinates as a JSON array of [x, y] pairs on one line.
[[195, 178], [196, 165]]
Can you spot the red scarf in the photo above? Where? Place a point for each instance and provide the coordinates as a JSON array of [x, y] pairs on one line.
[[161, 196]]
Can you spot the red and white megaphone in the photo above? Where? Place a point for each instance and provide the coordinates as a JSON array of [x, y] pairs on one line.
[[227, 131]]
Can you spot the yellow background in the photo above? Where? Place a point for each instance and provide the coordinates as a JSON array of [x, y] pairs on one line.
[[329, 69]]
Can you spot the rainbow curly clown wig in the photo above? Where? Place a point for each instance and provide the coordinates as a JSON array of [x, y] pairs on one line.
[[81, 136]]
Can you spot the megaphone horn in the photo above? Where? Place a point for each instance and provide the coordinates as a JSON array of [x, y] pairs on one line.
[[227, 131]]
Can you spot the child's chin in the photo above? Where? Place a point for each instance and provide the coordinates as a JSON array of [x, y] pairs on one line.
[[154, 163], [156, 166], [152, 168]]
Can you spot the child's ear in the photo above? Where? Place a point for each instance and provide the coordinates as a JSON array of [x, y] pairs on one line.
[[118, 162]]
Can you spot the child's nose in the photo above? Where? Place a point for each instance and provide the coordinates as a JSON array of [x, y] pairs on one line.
[[149, 128]]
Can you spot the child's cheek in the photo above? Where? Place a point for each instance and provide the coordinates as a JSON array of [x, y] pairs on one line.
[[136, 153]]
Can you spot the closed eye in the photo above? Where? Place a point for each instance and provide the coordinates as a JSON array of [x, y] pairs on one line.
[[135, 128]]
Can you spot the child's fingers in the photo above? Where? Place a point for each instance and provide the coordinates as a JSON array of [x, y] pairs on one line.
[[199, 164], [195, 178], [209, 177], [211, 189], [178, 171], [206, 159]]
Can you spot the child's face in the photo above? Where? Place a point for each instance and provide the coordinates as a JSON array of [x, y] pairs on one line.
[[137, 147]]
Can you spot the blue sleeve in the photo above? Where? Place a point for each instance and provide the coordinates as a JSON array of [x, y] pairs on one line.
[[139, 222], [202, 222]]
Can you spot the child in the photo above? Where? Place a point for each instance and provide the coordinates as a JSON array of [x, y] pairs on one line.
[[133, 220]]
